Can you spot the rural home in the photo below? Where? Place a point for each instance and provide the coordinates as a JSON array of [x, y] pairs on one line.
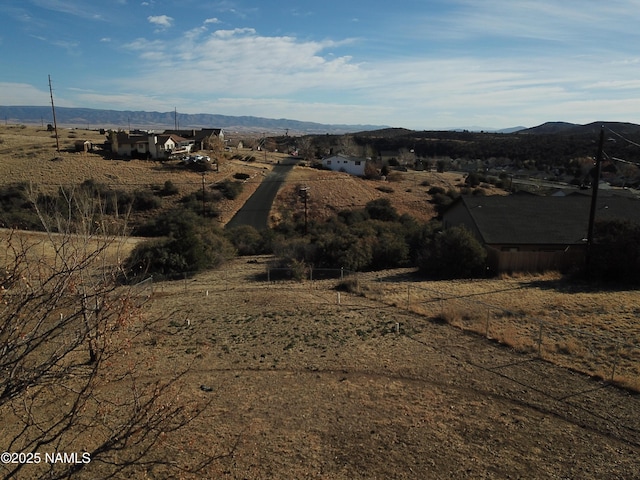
[[202, 138], [129, 145], [161, 146], [524, 232], [343, 163], [148, 145]]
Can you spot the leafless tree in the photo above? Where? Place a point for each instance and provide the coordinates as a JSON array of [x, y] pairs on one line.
[[306, 149], [348, 146], [68, 383], [215, 145]]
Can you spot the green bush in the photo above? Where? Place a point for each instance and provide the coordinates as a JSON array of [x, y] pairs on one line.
[[454, 253], [381, 209], [230, 189], [615, 253], [144, 200], [187, 249], [16, 208], [473, 179], [194, 202], [168, 189], [249, 241]]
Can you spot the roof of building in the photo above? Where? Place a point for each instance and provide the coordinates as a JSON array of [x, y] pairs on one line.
[[195, 134], [531, 219], [345, 157], [124, 138], [162, 139]]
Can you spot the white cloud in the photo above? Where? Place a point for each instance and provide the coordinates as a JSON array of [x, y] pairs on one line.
[[234, 62], [294, 78], [71, 7], [163, 21], [234, 32], [23, 94], [531, 61]]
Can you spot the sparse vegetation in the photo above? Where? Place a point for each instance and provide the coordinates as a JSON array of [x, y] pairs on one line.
[[230, 189], [187, 246], [453, 253], [364, 372]]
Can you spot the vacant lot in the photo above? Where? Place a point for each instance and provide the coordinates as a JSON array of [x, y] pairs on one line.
[[308, 382]]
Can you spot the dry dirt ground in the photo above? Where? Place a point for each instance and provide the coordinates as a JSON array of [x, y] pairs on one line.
[[309, 384]]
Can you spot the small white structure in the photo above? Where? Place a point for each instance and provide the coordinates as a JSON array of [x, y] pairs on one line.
[[344, 163], [161, 146]]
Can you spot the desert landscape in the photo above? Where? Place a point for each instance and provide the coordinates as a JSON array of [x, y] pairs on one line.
[[366, 375]]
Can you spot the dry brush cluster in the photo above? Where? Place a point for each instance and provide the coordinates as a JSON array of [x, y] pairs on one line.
[[68, 379]]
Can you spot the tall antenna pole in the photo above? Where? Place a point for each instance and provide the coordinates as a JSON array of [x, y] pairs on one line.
[[594, 197], [55, 124], [175, 118]]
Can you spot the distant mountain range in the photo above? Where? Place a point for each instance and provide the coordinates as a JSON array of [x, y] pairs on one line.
[[94, 118], [564, 128]]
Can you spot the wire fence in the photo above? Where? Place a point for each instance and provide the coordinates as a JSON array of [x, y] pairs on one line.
[[601, 355]]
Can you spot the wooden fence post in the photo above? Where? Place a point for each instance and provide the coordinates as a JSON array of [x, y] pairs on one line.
[[540, 341], [486, 327], [615, 361]]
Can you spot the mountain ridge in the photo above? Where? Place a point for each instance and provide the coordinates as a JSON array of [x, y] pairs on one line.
[[127, 119]]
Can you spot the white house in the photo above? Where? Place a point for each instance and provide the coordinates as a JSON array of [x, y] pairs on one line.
[[145, 145], [344, 163], [161, 146]]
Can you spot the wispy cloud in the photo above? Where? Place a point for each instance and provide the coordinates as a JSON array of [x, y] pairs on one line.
[[24, 94], [162, 21], [72, 48], [71, 7]]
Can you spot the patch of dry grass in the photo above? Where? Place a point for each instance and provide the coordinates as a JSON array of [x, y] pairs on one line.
[[332, 192], [571, 324]]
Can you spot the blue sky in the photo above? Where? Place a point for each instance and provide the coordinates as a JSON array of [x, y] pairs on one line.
[[418, 64]]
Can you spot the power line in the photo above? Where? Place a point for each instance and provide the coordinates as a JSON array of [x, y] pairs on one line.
[[621, 160], [623, 137]]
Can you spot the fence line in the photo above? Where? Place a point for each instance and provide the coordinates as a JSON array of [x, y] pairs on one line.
[[610, 357], [606, 356]]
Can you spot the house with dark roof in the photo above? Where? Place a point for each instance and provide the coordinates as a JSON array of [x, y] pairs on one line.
[[161, 146], [525, 232], [148, 145], [129, 145], [201, 138]]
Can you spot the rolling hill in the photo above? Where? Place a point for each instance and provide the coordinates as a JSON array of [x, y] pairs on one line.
[[92, 118]]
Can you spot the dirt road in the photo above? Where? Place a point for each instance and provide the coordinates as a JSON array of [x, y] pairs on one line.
[[255, 212]]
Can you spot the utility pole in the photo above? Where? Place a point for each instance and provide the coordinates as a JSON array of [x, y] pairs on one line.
[[304, 193], [594, 197], [175, 118], [55, 124], [204, 205]]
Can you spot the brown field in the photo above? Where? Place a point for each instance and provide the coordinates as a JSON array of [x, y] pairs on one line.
[[309, 384], [397, 381]]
